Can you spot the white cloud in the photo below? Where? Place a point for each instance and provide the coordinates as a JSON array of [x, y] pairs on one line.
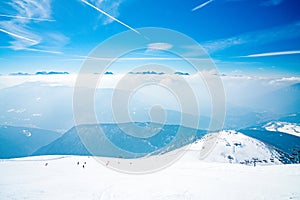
[[285, 80], [55, 39], [19, 37], [221, 44], [255, 38], [290, 79], [20, 25], [17, 26], [20, 110], [36, 115], [111, 7], [32, 8], [109, 16], [16, 110], [59, 79], [194, 51], [266, 79], [159, 46]]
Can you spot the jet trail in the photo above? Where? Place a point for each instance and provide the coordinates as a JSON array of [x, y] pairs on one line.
[[202, 5], [43, 51], [18, 36], [108, 15], [280, 53], [29, 18]]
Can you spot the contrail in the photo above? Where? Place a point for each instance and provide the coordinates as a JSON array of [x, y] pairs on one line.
[[202, 5], [43, 51], [280, 53], [29, 18], [18, 36], [108, 15]]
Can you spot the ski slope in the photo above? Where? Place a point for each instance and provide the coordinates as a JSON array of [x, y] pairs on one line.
[[61, 177]]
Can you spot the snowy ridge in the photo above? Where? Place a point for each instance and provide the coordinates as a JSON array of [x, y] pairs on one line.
[[235, 147], [284, 127]]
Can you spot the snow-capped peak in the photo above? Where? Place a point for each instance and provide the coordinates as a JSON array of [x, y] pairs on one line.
[[235, 147], [285, 127]]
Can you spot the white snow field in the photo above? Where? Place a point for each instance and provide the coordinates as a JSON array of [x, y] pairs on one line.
[[61, 177], [284, 127]]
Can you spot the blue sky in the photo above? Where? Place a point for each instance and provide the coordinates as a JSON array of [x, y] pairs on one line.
[[242, 36]]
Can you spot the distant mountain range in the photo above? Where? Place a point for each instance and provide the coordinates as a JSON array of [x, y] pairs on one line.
[[282, 101], [284, 127], [282, 146], [231, 146], [43, 105], [50, 107], [41, 102], [245, 146]]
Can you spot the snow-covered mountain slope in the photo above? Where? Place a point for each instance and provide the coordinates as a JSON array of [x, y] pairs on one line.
[[21, 141], [284, 127], [231, 146], [60, 177], [71, 143], [235, 147]]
